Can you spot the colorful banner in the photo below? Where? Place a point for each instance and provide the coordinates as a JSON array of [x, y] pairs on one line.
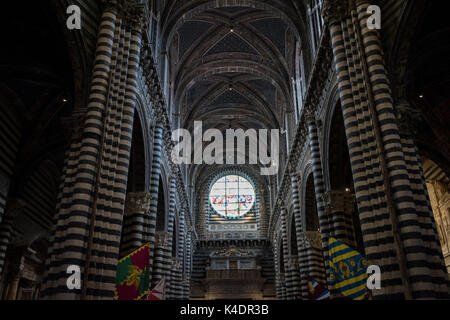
[[348, 270], [133, 275]]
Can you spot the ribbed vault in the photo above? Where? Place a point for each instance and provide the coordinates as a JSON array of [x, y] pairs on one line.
[[231, 65]]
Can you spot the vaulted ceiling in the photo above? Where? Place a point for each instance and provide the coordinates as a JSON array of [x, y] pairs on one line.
[[231, 63]]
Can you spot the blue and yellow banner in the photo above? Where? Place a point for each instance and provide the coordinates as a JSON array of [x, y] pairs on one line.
[[348, 270]]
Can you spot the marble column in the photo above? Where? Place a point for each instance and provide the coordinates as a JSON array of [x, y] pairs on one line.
[[339, 205]]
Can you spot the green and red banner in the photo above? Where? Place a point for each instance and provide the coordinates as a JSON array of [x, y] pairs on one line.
[[133, 275]]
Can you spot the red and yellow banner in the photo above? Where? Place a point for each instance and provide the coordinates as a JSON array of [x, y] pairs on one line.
[[133, 275]]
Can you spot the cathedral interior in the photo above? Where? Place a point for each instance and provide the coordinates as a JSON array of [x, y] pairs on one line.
[[87, 172]]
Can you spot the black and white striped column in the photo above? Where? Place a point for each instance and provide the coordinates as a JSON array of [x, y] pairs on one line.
[[285, 248], [88, 221], [294, 270], [187, 286], [170, 228], [339, 206], [425, 263], [396, 235], [319, 189], [162, 259], [302, 273], [135, 226], [178, 293], [154, 186], [311, 263]]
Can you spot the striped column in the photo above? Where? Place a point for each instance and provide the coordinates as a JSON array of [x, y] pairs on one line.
[[295, 277], [425, 263], [376, 224], [278, 283], [311, 261], [135, 226], [177, 279], [162, 258], [283, 286], [339, 207], [298, 229], [181, 252], [178, 284], [395, 237], [187, 288], [154, 187], [88, 221], [285, 248], [170, 227], [319, 189], [12, 209]]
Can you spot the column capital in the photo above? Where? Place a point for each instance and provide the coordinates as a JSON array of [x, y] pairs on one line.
[[310, 117], [134, 14], [111, 5], [137, 202], [334, 11], [310, 239], [160, 117], [293, 262], [338, 200], [162, 239]]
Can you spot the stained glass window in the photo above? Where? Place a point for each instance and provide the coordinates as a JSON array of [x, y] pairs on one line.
[[232, 196]]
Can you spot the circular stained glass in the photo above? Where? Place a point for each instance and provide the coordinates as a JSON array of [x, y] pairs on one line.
[[232, 196]]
